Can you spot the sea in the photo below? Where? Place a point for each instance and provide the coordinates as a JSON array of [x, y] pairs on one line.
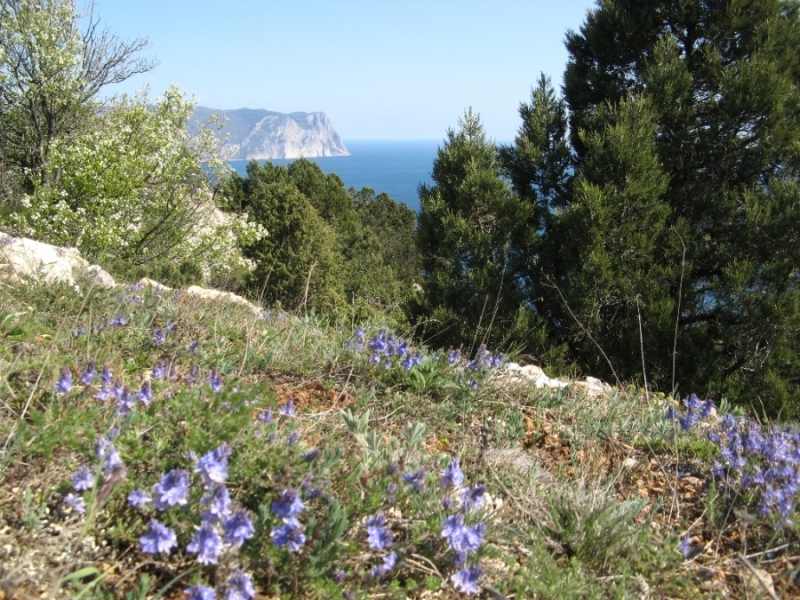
[[395, 167]]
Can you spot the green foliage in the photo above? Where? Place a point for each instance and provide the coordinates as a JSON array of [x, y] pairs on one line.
[[472, 236], [327, 249], [133, 189], [658, 243], [123, 181], [296, 264], [53, 63], [721, 81], [625, 256]]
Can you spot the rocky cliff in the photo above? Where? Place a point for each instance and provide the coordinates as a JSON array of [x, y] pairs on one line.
[[262, 134]]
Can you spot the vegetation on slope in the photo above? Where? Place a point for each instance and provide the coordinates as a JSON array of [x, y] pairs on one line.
[[154, 442]]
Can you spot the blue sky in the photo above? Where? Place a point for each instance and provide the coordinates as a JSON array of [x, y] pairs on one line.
[[380, 69]]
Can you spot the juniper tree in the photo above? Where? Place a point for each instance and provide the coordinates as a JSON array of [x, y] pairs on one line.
[[297, 264], [721, 78], [469, 226]]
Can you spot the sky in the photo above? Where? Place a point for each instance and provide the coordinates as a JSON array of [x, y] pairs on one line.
[[380, 69]]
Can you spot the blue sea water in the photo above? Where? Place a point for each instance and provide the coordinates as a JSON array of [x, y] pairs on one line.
[[395, 167]]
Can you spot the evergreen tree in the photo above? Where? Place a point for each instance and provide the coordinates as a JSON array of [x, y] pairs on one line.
[[469, 226], [721, 78], [297, 263], [610, 302], [394, 226]]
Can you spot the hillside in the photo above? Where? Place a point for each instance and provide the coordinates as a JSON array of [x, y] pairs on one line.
[[155, 441], [259, 134]]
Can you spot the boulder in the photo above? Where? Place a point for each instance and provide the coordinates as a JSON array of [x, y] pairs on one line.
[[215, 295], [514, 374], [22, 259]]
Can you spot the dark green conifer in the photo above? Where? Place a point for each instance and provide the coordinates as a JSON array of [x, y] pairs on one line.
[[469, 225], [721, 78]]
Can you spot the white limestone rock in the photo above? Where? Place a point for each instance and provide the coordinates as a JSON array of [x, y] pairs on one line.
[[216, 295], [514, 374], [23, 259]]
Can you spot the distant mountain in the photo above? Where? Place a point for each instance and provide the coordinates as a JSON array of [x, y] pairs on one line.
[[263, 134]]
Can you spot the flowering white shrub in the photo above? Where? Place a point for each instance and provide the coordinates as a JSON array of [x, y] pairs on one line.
[[137, 186]]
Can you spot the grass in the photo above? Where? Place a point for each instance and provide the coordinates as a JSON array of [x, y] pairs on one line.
[[580, 497]]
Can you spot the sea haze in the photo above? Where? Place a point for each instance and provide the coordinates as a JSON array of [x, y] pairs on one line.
[[396, 167]]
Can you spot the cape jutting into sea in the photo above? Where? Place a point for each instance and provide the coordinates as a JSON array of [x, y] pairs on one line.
[[394, 167]]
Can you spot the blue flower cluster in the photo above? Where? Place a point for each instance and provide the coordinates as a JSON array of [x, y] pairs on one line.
[[290, 533], [756, 459], [380, 537], [386, 348], [111, 469], [220, 527], [485, 360], [462, 532], [694, 410]]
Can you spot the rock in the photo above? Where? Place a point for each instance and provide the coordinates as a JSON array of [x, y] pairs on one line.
[[593, 386], [22, 259], [530, 374], [209, 294], [147, 282], [514, 374]]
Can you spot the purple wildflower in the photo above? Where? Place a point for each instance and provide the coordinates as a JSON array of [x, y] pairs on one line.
[[238, 528], [159, 337], [138, 498], [200, 592], [452, 476], [472, 498], [105, 376], [290, 534], [289, 505], [378, 537], [173, 489], [417, 479], [311, 455], [287, 410], [219, 503], [215, 381], [90, 374], [685, 546], [240, 587], [76, 503], [389, 562], [119, 321], [64, 384], [213, 467], [292, 439], [82, 479], [160, 369], [158, 539], [460, 537], [125, 401], [466, 580], [206, 543], [453, 358], [339, 576], [112, 461], [145, 395], [266, 417]]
